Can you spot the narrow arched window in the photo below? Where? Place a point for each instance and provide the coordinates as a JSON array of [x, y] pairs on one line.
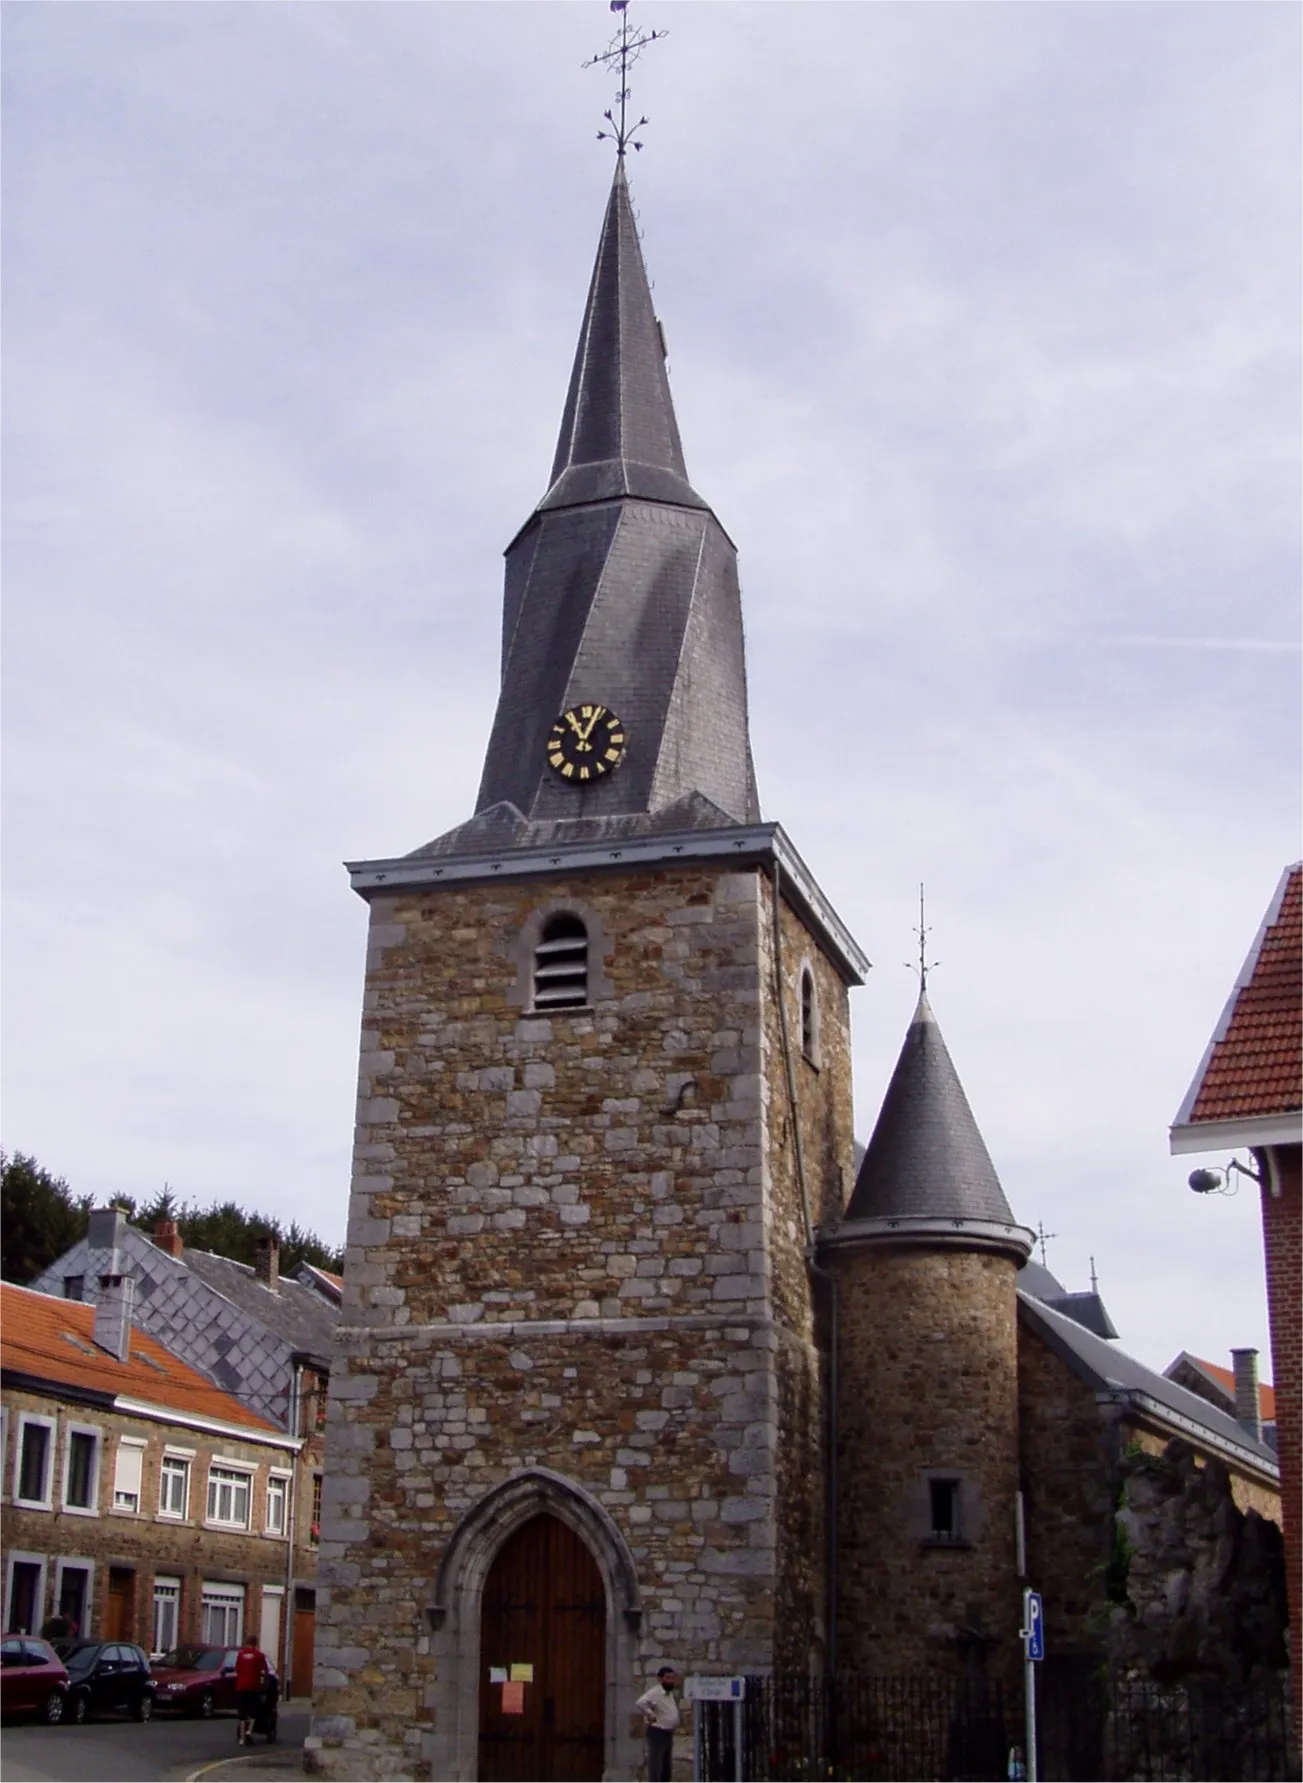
[[809, 1017], [561, 964]]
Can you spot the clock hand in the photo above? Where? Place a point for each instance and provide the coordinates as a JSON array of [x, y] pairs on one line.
[[598, 712], [575, 725]]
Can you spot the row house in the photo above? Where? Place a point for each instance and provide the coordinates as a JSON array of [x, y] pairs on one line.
[[263, 1337], [142, 1502]]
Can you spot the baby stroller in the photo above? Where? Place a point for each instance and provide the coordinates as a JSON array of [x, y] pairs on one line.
[[265, 1720]]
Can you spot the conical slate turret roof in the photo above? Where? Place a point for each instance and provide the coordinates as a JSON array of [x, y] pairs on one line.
[[621, 589], [926, 1158]]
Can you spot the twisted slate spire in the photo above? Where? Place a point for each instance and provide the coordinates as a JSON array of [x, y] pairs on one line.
[[926, 1157], [622, 588]]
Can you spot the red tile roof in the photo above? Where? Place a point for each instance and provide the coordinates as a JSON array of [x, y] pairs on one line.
[[1254, 1066], [1225, 1377], [54, 1341]]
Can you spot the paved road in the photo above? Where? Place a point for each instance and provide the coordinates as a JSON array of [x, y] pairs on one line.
[[165, 1749]]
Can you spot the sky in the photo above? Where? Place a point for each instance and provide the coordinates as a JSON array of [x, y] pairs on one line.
[[983, 339]]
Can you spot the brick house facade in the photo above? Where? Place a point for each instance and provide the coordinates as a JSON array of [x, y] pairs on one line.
[[1248, 1093], [140, 1499], [262, 1337]]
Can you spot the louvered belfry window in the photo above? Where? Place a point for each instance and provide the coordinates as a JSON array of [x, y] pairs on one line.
[[561, 964]]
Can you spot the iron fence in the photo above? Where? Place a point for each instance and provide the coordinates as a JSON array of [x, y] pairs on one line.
[[796, 1727], [1092, 1730]]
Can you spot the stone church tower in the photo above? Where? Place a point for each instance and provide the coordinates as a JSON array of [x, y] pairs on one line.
[[578, 1416]]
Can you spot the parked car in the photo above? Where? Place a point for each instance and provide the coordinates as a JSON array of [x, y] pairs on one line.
[[201, 1681], [107, 1675], [33, 1679]]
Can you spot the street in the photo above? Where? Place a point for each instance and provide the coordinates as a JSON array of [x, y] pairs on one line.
[[120, 1751]]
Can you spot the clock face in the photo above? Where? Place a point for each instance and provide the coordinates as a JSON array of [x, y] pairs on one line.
[[585, 744]]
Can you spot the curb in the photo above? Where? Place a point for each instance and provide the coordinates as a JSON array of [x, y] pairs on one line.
[[294, 1767]]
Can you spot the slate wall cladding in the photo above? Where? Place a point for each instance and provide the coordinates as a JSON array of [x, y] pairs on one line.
[[575, 1244], [928, 1347], [174, 1305], [144, 1543]]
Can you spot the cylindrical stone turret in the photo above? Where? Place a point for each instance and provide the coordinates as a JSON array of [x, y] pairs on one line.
[[926, 1262]]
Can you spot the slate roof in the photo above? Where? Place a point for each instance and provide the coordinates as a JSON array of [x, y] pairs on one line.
[[621, 588], [1221, 1381], [926, 1156], [295, 1312], [1108, 1369], [53, 1340], [1254, 1063], [1086, 1307]]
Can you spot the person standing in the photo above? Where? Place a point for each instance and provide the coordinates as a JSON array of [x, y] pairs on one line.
[[250, 1685], [660, 1711]]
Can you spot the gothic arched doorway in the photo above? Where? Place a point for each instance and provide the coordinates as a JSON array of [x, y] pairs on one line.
[[544, 1608]]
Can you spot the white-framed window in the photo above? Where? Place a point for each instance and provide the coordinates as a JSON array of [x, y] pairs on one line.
[[167, 1613], [81, 1469], [24, 1593], [278, 1503], [72, 1592], [128, 1471], [34, 1464], [223, 1615], [174, 1484], [230, 1488], [561, 964]]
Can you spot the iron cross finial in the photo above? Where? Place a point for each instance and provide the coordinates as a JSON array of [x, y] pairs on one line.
[[622, 52], [924, 965], [1042, 1238]]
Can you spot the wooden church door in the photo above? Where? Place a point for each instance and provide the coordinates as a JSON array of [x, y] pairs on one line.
[[544, 1610]]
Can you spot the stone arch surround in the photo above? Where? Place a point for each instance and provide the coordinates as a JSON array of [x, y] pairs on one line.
[[452, 1748]]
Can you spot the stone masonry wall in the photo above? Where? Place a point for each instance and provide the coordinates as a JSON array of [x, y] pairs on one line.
[[574, 1246], [1067, 1482], [143, 1543], [928, 1387]]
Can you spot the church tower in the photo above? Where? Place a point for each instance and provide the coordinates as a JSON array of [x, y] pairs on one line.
[[577, 1423], [926, 1261]]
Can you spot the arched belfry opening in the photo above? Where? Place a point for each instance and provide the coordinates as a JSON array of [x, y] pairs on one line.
[[543, 1657], [536, 1579]]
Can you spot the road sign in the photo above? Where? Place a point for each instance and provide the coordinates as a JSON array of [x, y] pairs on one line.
[[1033, 1629], [714, 1690]]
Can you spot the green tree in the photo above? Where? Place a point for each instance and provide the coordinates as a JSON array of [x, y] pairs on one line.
[[40, 1218]]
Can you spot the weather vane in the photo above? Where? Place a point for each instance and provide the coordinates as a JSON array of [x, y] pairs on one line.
[[622, 52], [924, 965]]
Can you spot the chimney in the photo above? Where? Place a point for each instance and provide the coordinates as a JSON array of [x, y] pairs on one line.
[[167, 1238], [112, 1331], [1247, 1414], [267, 1263]]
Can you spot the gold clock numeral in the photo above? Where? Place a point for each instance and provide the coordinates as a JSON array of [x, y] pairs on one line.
[[613, 755], [557, 760], [568, 769]]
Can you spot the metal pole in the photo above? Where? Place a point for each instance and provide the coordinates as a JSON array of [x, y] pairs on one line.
[[1029, 1691], [737, 1738], [696, 1742]]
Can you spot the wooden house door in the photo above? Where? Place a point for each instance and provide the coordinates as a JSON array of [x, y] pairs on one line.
[[544, 1610], [117, 1605]]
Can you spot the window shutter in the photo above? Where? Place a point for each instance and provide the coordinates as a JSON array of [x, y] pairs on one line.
[[127, 1475]]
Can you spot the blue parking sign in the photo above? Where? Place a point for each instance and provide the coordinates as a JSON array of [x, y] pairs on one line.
[[1033, 1631]]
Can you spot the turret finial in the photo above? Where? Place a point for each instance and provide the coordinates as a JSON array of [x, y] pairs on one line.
[[924, 965], [622, 52]]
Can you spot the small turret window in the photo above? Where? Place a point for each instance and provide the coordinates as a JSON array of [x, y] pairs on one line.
[[809, 1017], [561, 964]]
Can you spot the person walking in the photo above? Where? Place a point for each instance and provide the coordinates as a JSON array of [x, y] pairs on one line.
[[660, 1711], [250, 1685]]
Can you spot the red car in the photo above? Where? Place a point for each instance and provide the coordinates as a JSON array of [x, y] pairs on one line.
[[201, 1680], [33, 1679]]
